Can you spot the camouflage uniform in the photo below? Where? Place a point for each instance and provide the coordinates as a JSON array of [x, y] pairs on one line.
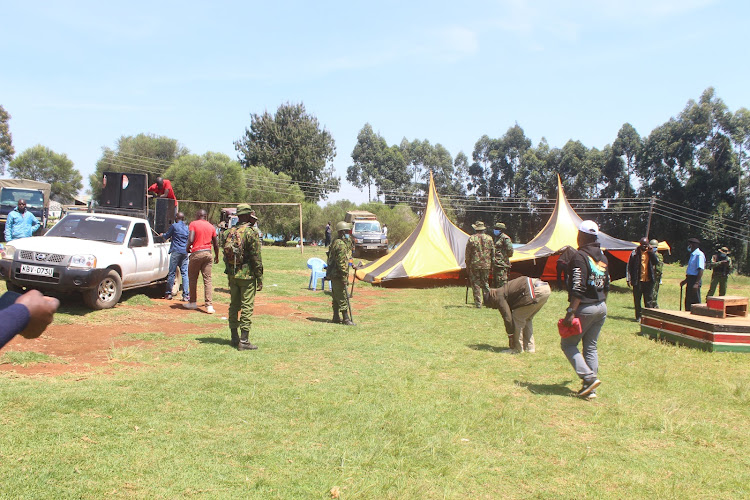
[[722, 268], [244, 278], [658, 271], [501, 261], [338, 272], [479, 254]]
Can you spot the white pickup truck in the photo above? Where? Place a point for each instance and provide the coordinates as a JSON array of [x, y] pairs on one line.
[[99, 255]]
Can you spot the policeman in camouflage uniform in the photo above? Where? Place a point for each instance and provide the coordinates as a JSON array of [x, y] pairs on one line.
[[480, 250], [658, 271], [245, 278], [721, 263], [337, 271], [503, 253]]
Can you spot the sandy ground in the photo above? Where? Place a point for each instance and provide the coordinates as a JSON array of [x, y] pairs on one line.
[[86, 348]]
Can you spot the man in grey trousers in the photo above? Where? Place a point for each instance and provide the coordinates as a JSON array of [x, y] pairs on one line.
[[587, 296]]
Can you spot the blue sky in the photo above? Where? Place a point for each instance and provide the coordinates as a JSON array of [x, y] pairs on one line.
[[78, 75]]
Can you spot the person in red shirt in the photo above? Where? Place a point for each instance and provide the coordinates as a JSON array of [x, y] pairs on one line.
[[162, 188], [202, 236]]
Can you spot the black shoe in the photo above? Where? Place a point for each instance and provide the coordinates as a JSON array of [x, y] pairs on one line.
[[588, 387], [246, 346], [235, 338], [168, 296]]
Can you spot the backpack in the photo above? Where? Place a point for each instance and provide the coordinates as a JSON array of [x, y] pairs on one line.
[[233, 245]]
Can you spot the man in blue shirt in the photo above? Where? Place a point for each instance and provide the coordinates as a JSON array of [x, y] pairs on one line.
[[178, 233], [693, 274], [21, 223]]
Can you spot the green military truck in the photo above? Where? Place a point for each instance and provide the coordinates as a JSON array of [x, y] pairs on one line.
[[367, 234]]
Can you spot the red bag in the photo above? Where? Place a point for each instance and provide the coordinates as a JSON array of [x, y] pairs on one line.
[[569, 331]]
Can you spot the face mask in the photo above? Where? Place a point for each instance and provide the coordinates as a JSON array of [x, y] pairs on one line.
[[497, 232], [689, 249], [347, 236]]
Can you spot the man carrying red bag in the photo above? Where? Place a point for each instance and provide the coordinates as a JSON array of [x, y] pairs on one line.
[[587, 296]]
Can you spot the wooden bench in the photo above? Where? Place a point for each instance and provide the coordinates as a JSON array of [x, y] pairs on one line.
[[721, 307]]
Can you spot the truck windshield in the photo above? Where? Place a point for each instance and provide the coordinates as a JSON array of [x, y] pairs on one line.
[[91, 227], [10, 197], [370, 226]]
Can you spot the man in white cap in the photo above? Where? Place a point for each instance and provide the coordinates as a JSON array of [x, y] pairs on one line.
[[587, 295]]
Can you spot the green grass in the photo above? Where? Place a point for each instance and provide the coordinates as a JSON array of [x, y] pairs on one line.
[[26, 358], [416, 401]]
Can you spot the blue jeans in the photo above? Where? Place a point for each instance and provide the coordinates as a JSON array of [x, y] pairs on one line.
[[178, 259], [592, 318]]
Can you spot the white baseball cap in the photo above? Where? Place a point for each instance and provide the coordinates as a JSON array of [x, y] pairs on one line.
[[589, 227]]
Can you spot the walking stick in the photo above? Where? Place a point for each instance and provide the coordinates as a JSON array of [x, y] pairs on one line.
[[348, 302], [466, 301], [681, 286]]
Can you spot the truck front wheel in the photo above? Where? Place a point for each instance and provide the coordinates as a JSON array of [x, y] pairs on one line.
[[106, 294]]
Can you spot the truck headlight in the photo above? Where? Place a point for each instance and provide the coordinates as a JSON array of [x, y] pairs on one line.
[[7, 251], [87, 261]]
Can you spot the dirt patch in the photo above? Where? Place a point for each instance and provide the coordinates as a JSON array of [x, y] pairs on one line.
[[84, 348]]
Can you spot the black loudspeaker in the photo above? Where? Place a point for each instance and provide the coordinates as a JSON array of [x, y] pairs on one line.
[[163, 214], [111, 184], [133, 191]]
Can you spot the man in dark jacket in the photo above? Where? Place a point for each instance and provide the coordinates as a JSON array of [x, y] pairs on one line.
[[518, 301], [587, 295], [641, 275]]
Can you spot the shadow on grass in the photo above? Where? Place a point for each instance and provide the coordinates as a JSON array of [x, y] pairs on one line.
[[214, 340], [319, 320], [559, 389], [489, 348], [462, 306]]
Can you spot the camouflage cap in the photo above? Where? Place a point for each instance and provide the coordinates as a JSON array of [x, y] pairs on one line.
[[499, 225]]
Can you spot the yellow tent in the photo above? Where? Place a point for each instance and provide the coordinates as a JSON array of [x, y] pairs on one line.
[[538, 258], [433, 251]]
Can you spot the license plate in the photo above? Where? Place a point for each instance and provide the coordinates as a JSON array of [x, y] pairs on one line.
[[371, 247], [36, 270]]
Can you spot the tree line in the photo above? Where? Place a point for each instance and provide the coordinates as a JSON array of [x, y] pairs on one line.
[[689, 176]]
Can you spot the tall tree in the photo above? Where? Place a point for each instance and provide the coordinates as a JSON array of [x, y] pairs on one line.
[[144, 154], [40, 163], [291, 142], [628, 145], [6, 140], [367, 158]]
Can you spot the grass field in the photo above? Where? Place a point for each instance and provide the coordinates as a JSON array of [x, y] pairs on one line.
[[416, 401]]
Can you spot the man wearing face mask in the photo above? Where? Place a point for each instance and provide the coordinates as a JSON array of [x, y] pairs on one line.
[[503, 253], [721, 264], [338, 272], [641, 274], [693, 273]]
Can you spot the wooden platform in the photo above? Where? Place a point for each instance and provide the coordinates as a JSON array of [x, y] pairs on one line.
[[702, 332]]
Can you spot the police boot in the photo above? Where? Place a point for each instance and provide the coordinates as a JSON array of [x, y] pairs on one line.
[[235, 337], [245, 344], [336, 317], [347, 320]]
